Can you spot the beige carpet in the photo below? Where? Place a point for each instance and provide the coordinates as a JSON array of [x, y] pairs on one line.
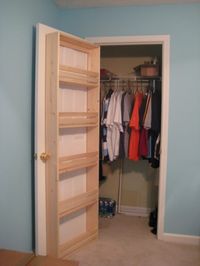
[[14, 258], [127, 241]]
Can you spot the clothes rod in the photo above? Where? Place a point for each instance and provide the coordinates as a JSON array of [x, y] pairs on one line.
[[123, 81], [142, 79]]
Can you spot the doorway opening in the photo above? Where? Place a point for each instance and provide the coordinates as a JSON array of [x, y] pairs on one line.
[[129, 47]]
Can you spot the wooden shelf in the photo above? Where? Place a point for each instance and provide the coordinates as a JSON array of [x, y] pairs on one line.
[[76, 43], [78, 119], [71, 79], [79, 161], [79, 77], [77, 203], [74, 244]]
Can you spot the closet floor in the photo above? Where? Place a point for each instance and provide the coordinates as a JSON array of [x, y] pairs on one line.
[[127, 241]]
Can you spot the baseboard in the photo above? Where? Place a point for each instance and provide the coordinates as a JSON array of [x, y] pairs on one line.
[[180, 239], [134, 211]]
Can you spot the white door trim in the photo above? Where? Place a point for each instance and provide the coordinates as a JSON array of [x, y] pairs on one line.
[[164, 40], [40, 186], [181, 239]]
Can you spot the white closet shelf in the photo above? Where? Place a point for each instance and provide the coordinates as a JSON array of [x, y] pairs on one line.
[[78, 77], [78, 161], [78, 119], [77, 203], [75, 243]]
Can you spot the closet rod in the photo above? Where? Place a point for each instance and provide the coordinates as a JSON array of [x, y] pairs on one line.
[[132, 79], [123, 82]]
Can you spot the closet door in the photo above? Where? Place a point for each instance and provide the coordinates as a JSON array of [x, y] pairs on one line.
[[71, 154]]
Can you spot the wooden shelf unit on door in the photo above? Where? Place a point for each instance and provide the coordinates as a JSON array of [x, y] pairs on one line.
[[78, 161], [78, 119], [59, 77], [76, 76]]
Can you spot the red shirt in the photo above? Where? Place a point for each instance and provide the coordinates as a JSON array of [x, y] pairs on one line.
[[135, 129]]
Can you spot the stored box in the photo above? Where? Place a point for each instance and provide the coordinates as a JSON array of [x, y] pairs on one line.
[[147, 70]]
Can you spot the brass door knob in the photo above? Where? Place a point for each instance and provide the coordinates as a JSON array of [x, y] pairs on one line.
[[44, 156]]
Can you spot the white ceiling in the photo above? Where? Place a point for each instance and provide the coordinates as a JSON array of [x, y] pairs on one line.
[[106, 3]]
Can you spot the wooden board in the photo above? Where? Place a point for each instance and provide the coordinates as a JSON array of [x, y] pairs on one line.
[[78, 119], [76, 203], [72, 101], [51, 142], [76, 243], [79, 161]]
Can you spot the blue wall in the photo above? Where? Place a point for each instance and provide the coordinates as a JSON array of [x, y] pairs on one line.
[[17, 44], [17, 53], [182, 23]]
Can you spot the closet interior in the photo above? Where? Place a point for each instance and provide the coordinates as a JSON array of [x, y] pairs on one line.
[[131, 180]]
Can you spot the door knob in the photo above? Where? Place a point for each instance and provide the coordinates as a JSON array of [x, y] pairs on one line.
[[44, 156]]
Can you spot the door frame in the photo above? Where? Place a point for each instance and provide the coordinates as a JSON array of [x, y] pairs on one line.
[[40, 184], [164, 40]]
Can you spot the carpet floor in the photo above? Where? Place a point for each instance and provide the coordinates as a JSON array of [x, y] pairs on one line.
[[127, 241], [14, 258]]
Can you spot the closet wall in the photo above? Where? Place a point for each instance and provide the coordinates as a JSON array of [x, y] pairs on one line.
[[139, 180]]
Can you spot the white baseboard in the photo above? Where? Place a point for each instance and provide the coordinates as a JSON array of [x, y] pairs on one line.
[[134, 211], [180, 239]]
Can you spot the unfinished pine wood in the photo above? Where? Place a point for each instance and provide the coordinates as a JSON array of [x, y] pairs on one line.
[[72, 64], [76, 43], [67, 79], [93, 99], [75, 162], [78, 71], [77, 119], [52, 63], [76, 203], [91, 217], [76, 243], [77, 79]]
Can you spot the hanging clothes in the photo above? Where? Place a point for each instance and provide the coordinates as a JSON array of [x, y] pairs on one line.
[[156, 111], [128, 103], [126, 107], [155, 126], [114, 125], [157, 148], [147, 113], [143, 144], [118, 123], [135, 128], [142, 109], [104, 113], [121, 144], [131, 130]]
